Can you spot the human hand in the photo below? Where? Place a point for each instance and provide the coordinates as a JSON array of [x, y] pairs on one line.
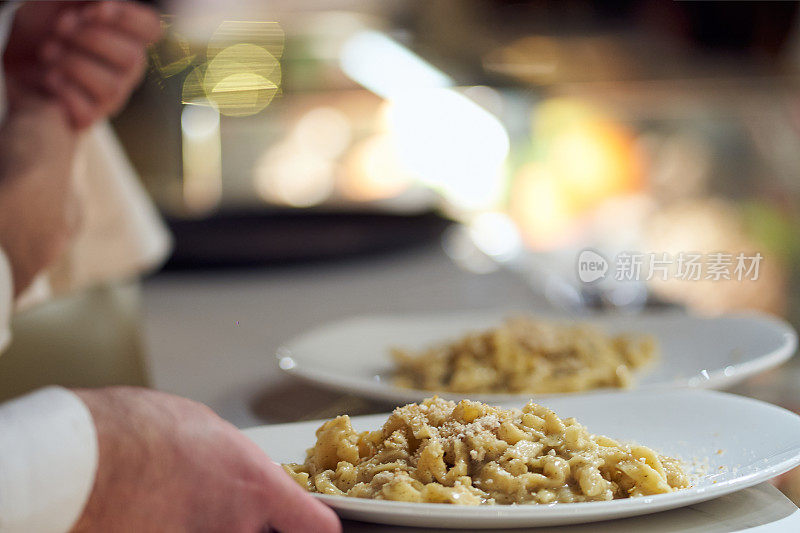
[[39, 211], [90, 55], [169, 464]]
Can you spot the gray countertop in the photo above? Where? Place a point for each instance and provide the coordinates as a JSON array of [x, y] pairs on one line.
[[211, 336]]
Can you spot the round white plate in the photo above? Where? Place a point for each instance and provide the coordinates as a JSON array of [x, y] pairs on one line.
[[353, 355], [730, 441]]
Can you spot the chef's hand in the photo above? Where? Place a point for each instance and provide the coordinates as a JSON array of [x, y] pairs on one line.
[[38, 208], [169, 464], [90, 55]]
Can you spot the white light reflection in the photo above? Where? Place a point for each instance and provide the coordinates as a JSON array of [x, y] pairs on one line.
[[286, 363], [496, 235], [199, 122], [452, 144], [444, 138], [202, 160], [386, 67]]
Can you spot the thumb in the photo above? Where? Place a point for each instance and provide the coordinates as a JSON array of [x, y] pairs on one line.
[[290, 508]]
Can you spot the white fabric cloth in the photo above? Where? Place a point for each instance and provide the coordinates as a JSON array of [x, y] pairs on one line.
[[6, 300], [6, 284], [121, 234], [48, 459], [48, 446]]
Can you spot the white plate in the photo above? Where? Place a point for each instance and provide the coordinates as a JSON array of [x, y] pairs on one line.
[[353, 355], [741, 441]]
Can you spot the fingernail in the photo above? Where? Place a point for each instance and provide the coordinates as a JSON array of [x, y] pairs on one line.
[[68, 23], [51, 51]]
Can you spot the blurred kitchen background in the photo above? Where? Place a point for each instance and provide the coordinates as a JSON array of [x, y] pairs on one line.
[[286, 130], [317, 159]]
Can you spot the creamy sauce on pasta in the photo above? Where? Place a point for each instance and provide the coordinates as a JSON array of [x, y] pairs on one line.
[[525, 355], [472, 453]]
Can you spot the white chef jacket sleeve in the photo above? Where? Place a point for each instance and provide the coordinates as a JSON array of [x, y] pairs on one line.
[[48, 461], [6, 283], [6, 300]]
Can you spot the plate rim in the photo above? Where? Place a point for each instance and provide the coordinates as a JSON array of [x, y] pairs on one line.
[[716, 379], [403, 513]]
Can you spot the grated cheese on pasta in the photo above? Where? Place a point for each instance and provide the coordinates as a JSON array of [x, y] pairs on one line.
[[474, 454]]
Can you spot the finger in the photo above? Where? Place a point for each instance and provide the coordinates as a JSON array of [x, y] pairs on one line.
[[51, 51], [105, 86], [68, 23], [99, 82], [290, 508], [134, 19], [107, 45], [79, 105]]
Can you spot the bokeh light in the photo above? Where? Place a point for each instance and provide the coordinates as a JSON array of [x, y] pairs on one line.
[[266, 35], [202, 158], [590, 152], [496, 235], [242, 72], [324, 130], [372, 171], [452, 145], [287, 174], [539, 204]]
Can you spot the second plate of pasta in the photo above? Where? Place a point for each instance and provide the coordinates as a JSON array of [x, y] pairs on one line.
[[500, 356]]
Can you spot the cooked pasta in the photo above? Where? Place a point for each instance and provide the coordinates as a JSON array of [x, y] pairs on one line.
[[525, 355], [472, 454]]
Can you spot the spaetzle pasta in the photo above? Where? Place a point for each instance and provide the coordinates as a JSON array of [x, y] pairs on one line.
[[472, 454], [525, 355]]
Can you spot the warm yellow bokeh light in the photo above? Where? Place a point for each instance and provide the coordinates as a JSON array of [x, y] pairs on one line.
[[192, 91], [172, 55], [240, 77], [241, 58], [242, 94], [596, 161], [324, 130], [287, 174], [372, 171], [540, 205], [593, 157], [266, 35]]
